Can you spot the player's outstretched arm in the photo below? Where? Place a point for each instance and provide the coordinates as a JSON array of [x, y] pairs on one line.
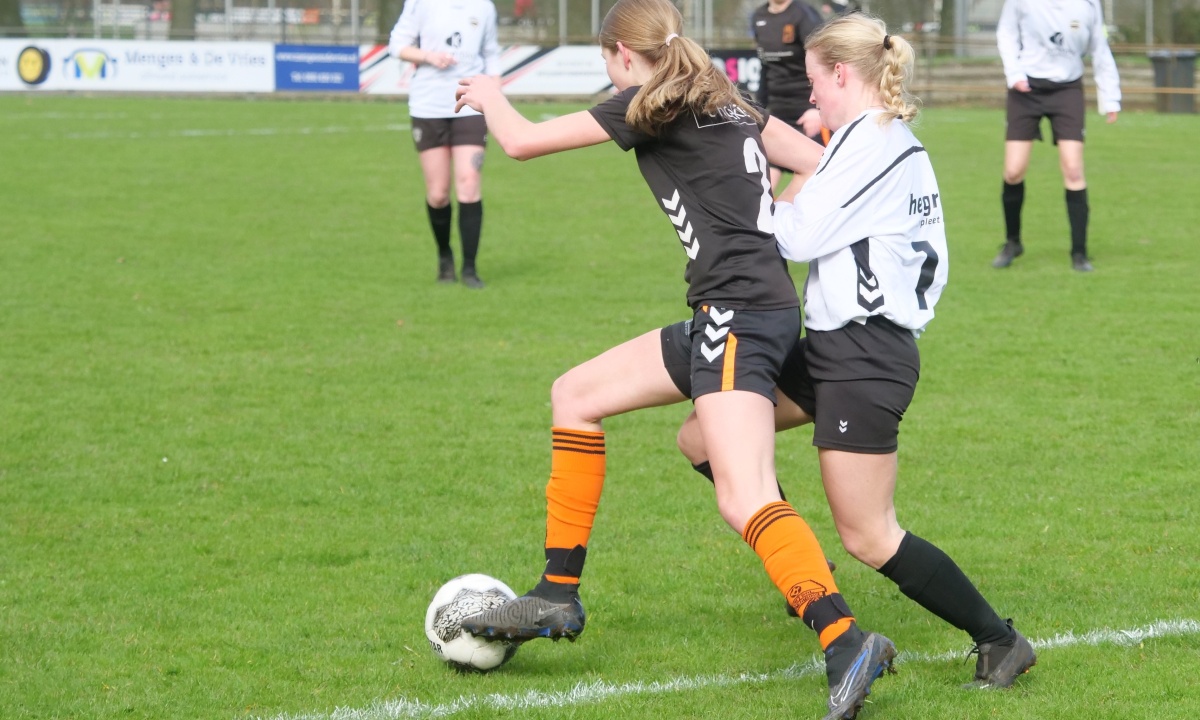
[[519, 137]]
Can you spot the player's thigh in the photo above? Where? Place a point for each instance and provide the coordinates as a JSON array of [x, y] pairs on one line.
[[436, 168], [1070, 161], [738, 428], [468, 172], [1016, 160], [861, 489], [627, 377]]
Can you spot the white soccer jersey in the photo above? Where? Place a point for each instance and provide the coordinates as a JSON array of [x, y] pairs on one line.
[[1048, 39], [869, 223], [464, 28]]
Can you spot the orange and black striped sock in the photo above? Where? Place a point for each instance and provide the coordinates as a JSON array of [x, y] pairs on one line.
[[572, 498], [792, 556]]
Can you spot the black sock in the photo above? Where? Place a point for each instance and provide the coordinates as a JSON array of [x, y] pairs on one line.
[[706, 470], [439, 220], [470, 224], [1077, 214], [1013, 198], [928, 576]]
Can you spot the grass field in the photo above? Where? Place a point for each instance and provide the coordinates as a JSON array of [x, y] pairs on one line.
[[244, 436]]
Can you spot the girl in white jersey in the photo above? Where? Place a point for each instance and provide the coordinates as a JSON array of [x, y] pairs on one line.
[[1043, 45], [703, 151], [869, 223], [448, 40]]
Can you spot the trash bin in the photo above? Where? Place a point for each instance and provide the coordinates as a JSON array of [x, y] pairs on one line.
[[1175, 69]]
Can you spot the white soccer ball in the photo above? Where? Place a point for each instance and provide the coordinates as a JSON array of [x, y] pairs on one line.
[[457, 600]]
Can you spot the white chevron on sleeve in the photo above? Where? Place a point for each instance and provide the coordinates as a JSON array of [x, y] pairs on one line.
[[693, 250], [685, 235], [678, 219], [715, 334], [711, 354], [720, 317], [673, 202]]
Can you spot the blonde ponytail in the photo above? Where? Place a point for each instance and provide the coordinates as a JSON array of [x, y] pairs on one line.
[[884, 61]]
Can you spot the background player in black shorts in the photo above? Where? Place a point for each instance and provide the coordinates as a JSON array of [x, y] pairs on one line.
[[448, 40], [1043, 45], [700, 147], [869, 222], [779, 29]]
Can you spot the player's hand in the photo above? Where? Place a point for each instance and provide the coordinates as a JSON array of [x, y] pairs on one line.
[[810, 122], [1021, 86], [475, 92], [439, 60], [1112, 118]]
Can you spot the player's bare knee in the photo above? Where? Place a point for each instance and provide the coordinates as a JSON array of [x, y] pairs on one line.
[[866, 548], [569, 402], [690, 443]]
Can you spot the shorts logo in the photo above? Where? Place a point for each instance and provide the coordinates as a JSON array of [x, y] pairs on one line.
[[683, 228], [843, 426], [805, 592], [715, 332], [417, 133]]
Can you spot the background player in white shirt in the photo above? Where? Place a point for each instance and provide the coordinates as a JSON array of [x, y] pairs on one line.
[[703, 152], [869, 222], [1042, 44], [448, 40]]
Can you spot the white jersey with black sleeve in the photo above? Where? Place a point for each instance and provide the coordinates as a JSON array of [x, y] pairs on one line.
[[1048, 40], [869, 223], [464, 28]]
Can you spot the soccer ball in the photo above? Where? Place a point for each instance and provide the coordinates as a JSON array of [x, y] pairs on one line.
[[457, 600]]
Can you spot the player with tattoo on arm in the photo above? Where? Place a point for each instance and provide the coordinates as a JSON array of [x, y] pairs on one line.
[[448, 40]]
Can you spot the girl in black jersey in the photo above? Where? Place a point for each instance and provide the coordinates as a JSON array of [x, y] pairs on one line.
[[869, 223], [700, 148]]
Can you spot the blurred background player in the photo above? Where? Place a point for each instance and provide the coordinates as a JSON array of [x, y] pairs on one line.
[[1043, 45], [869, 222], [779, 29], [702, 150], [448, 40]]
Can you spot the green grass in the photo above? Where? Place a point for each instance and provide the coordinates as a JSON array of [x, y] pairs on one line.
[[244, 436]]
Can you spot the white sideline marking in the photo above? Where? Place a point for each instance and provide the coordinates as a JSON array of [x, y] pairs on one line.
[[583, 693], [220, 132]]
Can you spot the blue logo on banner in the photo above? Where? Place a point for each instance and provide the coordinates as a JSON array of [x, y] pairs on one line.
[[316, 67]]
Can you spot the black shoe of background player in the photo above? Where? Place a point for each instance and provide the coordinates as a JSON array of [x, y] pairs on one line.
[[1080, 263], [1011, 251], [446, 270], [1001, 663], [471, 279]]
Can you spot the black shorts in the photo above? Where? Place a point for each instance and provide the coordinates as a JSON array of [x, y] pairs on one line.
[[1063, 103], [719, 350], [430, 133], [794, 381], [863, 377]]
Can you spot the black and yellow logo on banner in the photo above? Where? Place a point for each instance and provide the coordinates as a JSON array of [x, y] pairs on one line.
[[33, 65]]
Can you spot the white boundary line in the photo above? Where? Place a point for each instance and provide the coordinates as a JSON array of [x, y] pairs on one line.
[[219, 133], [583, 693]]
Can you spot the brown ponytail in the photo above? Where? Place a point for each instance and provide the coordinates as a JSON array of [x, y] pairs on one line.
[[684, 75]]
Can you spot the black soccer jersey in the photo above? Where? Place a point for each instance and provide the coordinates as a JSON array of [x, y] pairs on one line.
[[780, 38], [709, 175]]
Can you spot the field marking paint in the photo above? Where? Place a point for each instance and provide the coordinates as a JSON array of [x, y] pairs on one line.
[[585, 693], [219, 133]]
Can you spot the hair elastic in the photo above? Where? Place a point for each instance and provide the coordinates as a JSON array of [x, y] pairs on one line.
[[887, 42], [671, 37]]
